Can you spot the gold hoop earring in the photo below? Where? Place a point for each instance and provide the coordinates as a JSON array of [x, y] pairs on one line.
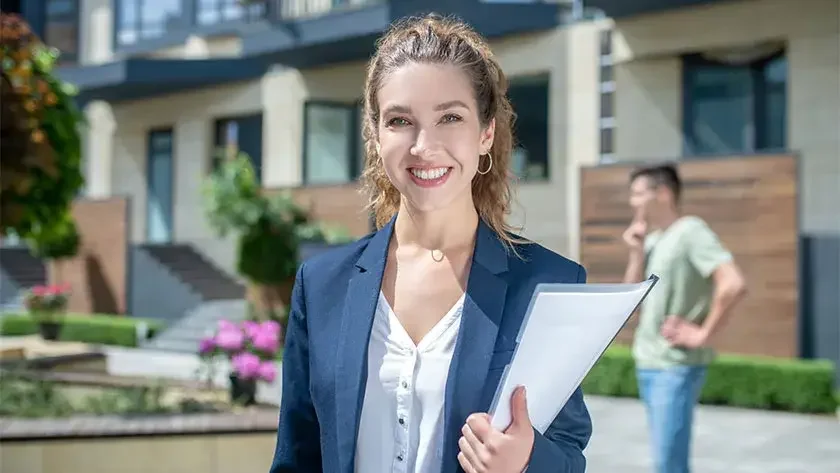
[[490, 157]]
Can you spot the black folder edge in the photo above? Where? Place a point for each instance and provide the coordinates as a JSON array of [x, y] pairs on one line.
[[559, 288]]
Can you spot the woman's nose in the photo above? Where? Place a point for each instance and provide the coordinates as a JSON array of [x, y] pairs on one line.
[[423, 143]]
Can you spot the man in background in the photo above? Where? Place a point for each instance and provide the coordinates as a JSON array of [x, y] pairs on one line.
[[699, 284]]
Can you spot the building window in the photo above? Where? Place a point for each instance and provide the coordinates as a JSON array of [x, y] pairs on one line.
[[235, 135], [530, 101], [607, 141], [61, 29], [606, 123], [139, 20], [210, 12], [734, 107], [331, 153]]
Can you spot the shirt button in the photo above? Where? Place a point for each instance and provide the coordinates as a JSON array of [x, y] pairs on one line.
[[402, 421], [399, 457], [405, 384]]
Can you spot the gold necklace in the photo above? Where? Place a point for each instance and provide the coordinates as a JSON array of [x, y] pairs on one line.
[[437, 260]]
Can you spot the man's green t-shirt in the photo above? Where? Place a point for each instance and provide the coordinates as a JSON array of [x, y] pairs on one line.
[[684, 256]]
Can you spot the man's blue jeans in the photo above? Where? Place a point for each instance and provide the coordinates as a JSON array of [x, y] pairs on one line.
[[669, 396]]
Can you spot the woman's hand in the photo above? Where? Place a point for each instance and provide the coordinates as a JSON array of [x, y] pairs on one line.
[[487, 450]]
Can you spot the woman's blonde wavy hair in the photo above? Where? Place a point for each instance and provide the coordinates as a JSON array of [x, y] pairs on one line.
[[434, 39]]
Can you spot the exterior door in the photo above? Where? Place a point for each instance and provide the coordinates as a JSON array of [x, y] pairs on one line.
[[159, 175]]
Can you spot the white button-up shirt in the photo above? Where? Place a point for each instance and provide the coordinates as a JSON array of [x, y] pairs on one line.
[[401, 428]]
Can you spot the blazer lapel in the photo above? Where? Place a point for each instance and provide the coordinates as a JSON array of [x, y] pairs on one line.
[[357, 320], [480, 321]]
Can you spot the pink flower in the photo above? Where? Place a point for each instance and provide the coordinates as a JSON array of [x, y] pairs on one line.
[[229, 337], [267, 371], [266, 339], [251, 328], [271, 326], [246, 365], [206, 346]]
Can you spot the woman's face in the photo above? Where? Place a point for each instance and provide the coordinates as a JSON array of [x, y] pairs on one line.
[[430, 136]]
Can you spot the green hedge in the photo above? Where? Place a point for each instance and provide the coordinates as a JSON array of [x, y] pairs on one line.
[[87, 328], [794, 385]]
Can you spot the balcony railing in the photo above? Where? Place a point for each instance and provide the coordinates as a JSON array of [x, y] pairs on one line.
[[141, 21], [300, 9]]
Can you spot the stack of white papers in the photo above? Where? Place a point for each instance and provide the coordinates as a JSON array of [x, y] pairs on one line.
[[566, 330]]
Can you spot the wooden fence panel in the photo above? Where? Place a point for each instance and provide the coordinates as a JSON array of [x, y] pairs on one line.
[[751, 203]]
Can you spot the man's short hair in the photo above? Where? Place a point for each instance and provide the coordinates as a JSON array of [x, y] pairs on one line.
[[661, 175]]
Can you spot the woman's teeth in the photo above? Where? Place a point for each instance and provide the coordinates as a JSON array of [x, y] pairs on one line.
[[429, 174]]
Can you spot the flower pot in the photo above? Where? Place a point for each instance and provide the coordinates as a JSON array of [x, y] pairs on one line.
[[49, 330], [243, 391]]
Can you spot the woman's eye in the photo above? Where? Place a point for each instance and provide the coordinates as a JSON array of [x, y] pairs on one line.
[[397, 121], [450, 117]]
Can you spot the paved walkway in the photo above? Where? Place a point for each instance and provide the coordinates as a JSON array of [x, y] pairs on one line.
[[726, 440]]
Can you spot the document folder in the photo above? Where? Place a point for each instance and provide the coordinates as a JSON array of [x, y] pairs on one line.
[[565, 331]]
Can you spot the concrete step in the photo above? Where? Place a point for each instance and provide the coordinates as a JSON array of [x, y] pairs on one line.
[[186, 334]]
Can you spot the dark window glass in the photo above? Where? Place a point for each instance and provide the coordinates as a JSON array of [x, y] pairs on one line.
[[607, 105], [61, 28], [147, 19], [607, 73], [734, 108], [209, 12], [331, 142], [530, 99], [773, 105], [239, 135], [607, 141], [606, 42]]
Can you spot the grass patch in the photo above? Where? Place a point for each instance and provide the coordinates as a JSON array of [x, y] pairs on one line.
[[104, 329]]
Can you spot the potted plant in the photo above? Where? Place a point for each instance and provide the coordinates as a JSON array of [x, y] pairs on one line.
[[269, 227], [251, 347], [47, 306]]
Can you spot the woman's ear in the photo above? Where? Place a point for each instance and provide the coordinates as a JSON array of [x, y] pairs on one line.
[[487, 136]]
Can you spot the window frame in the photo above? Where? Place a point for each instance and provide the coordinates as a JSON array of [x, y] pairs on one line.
[[354, 166], [38, 18], [187, 26], [757, 109], [215, 159], [247, 17], [542, 78]]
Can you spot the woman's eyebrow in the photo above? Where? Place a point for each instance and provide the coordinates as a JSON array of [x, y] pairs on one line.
[[397, 109], [451, 104]]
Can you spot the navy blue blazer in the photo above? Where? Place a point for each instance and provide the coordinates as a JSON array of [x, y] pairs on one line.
[[325, 358]]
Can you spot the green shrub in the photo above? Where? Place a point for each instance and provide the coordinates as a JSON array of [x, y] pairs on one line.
[[794, 385], [94, 328]]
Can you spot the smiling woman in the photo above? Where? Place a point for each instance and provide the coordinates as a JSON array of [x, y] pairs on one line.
[[471, 91], [391, 341]]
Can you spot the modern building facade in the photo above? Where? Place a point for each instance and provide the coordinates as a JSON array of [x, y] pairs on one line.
[[165, 83], [700, 79]]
